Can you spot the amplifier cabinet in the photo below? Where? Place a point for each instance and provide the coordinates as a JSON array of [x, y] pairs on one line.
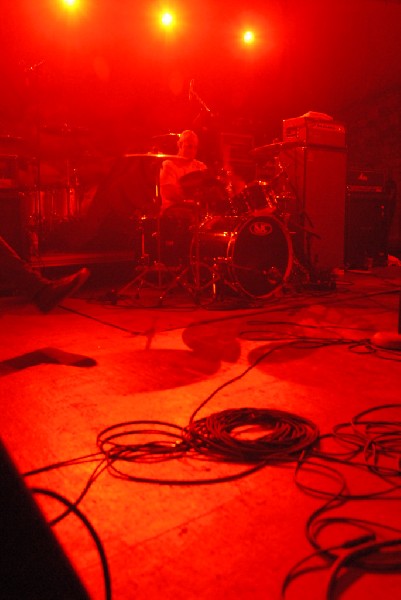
[[365, 180], [314, 131], [234, 155], [366, 230], [317, 176]]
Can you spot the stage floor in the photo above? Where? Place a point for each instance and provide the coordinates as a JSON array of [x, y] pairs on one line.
[[225, 511]]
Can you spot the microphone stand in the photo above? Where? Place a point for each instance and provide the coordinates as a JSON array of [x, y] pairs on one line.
[[194, 94], [33, 80]]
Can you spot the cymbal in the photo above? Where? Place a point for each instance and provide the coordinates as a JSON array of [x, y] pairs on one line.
[[154, 156], [166, 136], [11, 139], [271, 150], [64, 130]]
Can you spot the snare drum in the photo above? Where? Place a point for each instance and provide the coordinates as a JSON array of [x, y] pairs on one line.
[[254, 254]]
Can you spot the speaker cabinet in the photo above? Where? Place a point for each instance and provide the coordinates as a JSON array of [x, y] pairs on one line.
[[317, 177], [366, 230]]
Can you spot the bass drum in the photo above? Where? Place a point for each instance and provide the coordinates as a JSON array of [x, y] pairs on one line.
[[254, 254]]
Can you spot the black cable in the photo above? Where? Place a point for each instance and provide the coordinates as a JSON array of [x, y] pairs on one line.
[[101, 321], [371, 558], [65, 463], [370, 441], [247, 370], [296, 571], [214, 438], [285, 435], [95, 474], [361, 346], [100, 467], [91, 530]]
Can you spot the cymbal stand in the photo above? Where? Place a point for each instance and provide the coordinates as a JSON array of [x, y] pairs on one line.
[[157, 267], [72, 188]]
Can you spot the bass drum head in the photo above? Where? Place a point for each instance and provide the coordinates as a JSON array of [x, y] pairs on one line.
[[260, 256]]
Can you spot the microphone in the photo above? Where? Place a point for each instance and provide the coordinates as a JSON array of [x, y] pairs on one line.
[[191, 88]]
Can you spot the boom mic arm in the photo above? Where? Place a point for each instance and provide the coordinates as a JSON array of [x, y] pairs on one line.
[[194, 94]]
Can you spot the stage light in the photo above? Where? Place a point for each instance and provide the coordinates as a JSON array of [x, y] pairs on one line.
[[167, 19], [73, 7], [70, 3], [248, 37], [73, 10]]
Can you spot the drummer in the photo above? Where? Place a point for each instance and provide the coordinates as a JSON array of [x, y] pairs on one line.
[[179, 209], [171, 191]]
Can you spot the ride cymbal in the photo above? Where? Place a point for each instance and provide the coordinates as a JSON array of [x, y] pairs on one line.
[[271, 150]]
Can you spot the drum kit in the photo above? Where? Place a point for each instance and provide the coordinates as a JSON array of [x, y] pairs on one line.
[[216, 243], [51, 168]]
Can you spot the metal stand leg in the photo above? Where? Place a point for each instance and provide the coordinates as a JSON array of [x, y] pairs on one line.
[[146, 269]]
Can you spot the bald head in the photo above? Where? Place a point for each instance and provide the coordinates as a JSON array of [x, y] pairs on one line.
[[188, 144]]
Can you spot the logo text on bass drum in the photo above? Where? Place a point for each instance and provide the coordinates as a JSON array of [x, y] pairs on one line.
[[260, 228]]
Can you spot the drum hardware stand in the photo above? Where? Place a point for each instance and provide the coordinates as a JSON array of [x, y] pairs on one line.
[[179, 279], [273, 274], [145, 268], [300, 275], [310, 276], [196, 288], [72, 181], [309, 233], [241, 299], [193, 268], [157, 267], [218, 275]]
